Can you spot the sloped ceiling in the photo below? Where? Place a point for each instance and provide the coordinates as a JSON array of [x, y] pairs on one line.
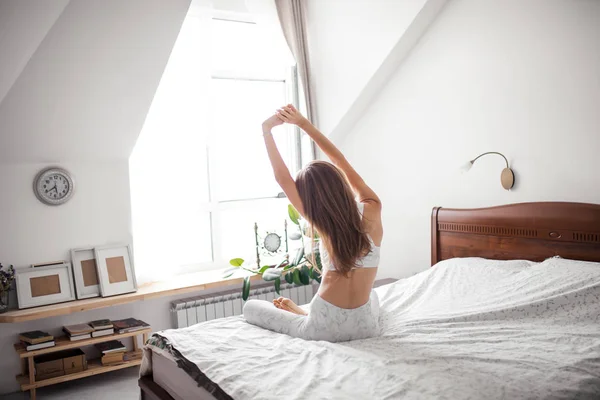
[[355, 47], [23, 25], [77, 77], [87, 85], [377, 82]]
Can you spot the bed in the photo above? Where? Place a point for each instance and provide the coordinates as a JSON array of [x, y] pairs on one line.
[[510, 310]]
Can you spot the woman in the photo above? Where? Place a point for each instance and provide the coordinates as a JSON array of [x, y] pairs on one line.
[[345, 307]]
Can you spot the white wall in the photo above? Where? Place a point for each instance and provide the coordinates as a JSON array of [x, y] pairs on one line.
[[98, 213], [18, 40], [348, 41], [85, 92], [519, 77]]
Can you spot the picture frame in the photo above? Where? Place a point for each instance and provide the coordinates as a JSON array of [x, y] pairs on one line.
[[85, 272], [39, 286], [116, 273]]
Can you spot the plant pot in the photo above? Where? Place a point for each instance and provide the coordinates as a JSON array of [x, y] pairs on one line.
[[4, 297]]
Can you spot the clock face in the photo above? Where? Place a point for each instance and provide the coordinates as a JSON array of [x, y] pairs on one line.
[[53, 186], [272, 242]]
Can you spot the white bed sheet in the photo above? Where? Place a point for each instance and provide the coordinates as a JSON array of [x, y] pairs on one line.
[[175, 380], [465, 329]]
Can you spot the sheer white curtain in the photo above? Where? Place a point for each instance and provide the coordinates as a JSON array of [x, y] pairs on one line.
[[292, 18], [168, 168]]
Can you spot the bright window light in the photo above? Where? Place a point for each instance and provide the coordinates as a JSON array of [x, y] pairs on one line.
[[200, 162]]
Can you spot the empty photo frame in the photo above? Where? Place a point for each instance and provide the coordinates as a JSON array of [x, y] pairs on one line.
[[38, 286], [115, 270], [87, 283]]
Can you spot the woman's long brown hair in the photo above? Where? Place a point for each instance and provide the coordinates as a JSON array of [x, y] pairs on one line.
[[330, 208]]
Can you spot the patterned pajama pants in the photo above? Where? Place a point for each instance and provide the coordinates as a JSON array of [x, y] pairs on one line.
[[323, 322]]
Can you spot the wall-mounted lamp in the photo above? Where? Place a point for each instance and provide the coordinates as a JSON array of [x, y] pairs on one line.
[[507, 177]]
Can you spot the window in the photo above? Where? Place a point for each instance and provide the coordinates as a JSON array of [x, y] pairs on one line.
[[200, 175]]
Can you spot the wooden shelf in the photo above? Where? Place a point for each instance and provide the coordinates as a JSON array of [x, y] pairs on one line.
[[63, 343], [180, 284], [95, 367]]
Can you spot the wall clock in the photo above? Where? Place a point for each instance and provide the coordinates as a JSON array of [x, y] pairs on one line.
[[53, 186]]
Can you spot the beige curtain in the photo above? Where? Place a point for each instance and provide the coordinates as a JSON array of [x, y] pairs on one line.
[[292, 17]]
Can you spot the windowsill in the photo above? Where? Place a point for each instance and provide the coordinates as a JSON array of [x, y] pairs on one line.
[[180, 284]]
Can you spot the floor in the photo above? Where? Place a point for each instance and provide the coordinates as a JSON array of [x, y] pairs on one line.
[[114, 385]]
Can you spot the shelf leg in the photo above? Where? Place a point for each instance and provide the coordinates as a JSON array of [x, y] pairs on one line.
[[135, 343], [31, 377], [145, 337]]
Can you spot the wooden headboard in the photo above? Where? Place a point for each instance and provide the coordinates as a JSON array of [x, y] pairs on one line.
[[531, 231]]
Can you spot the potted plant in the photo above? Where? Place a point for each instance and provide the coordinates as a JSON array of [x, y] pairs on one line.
[[7, 276], [300, 268]]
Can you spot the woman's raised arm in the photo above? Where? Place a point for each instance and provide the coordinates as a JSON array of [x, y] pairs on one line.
[[281, 171], [365, 194]]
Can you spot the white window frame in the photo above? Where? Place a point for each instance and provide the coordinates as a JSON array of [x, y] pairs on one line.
[[214, 207]]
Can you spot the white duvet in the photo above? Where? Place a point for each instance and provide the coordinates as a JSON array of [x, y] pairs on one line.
[[465, 329]]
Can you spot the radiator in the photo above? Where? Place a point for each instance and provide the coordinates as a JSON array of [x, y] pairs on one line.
[[193, 310]]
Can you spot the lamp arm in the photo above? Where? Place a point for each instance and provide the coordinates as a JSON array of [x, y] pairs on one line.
[[490, 152]]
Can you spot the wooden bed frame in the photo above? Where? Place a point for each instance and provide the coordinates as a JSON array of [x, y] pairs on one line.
[[531, 231]]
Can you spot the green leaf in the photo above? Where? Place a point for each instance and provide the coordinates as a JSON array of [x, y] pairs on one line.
[[228, 272], [283, 263], [296, 277], [271, 274], [236, 262], [295, 236], [246, 288], [294, 214], [277, 285], [304, 278], [264, 268], [314, 274], [288, 267], [289, 277], [298, 257]]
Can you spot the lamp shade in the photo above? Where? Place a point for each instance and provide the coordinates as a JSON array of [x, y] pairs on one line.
[[466, 166]]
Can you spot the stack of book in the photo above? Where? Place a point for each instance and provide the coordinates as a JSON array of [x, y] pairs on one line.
[[113, 352], [36, 340], [102, 327], [78, 332], [129, 325]]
